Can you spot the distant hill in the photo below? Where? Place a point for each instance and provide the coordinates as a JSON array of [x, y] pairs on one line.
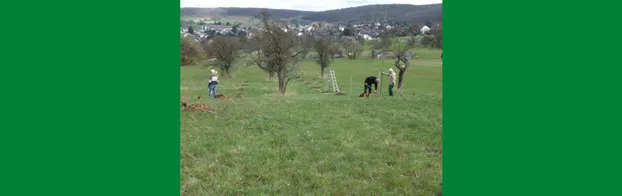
[[394, 12]]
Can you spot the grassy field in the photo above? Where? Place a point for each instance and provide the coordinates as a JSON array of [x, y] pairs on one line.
[[310, 143]]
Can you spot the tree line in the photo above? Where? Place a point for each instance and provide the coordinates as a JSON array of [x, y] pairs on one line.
[[362, 14]]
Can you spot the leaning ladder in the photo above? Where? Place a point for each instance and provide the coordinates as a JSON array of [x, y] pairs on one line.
[[332, 82]]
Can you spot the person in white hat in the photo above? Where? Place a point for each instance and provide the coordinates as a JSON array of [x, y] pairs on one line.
[[212, 84], [391, 75]]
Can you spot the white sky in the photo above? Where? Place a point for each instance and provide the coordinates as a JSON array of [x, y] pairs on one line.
[[305, 5]]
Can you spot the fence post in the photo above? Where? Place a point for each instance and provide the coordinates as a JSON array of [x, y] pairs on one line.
[[350, 87], [379, 84]]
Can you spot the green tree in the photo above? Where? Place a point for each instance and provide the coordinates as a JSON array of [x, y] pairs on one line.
[[428, 41], [349, 30], [190, 51]]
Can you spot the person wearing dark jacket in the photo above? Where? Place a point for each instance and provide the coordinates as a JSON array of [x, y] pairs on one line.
[[371, 80]]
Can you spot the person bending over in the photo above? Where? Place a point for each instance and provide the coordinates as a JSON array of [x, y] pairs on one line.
[[371, 80]]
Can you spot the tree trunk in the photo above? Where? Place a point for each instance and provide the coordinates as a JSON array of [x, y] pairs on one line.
[[322, 72], [400, 82], [227, 74], [224, 71], [281, 84]]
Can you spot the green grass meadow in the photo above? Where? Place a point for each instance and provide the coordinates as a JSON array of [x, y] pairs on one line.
[[311, 143]]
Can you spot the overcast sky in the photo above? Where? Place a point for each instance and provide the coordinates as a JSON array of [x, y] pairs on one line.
[[306, 5]]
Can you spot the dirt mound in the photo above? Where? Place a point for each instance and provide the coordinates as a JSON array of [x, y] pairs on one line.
[[363, 95], [222, 97], [196, 107], [340, 94], [235, 96]]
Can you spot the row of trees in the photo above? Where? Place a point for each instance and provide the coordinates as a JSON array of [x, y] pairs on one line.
[[277, 50], [189, 23]]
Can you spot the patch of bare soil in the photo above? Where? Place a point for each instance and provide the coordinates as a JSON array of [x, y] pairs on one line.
[[222, 97], [235, 96], [340, 94], [195, 107], [363, 95]]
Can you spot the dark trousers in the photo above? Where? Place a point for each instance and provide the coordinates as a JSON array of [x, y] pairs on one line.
[[391, 89], [212, 90], [367, 89]]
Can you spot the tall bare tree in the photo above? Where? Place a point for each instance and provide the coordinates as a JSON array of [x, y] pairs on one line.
[[438, 36], [280, 50], [323, 47], [400, 48]]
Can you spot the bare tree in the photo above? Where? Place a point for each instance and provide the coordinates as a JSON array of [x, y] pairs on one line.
[[381, 45], [354, 48], [385, 42], [280, 50], [323, 49], [256, 58], [438, 38], [226, 50], [400, 49], [336, 49], [253, 46], [428, 41]]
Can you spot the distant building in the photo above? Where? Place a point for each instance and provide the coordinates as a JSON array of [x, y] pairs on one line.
[[425, 29]]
